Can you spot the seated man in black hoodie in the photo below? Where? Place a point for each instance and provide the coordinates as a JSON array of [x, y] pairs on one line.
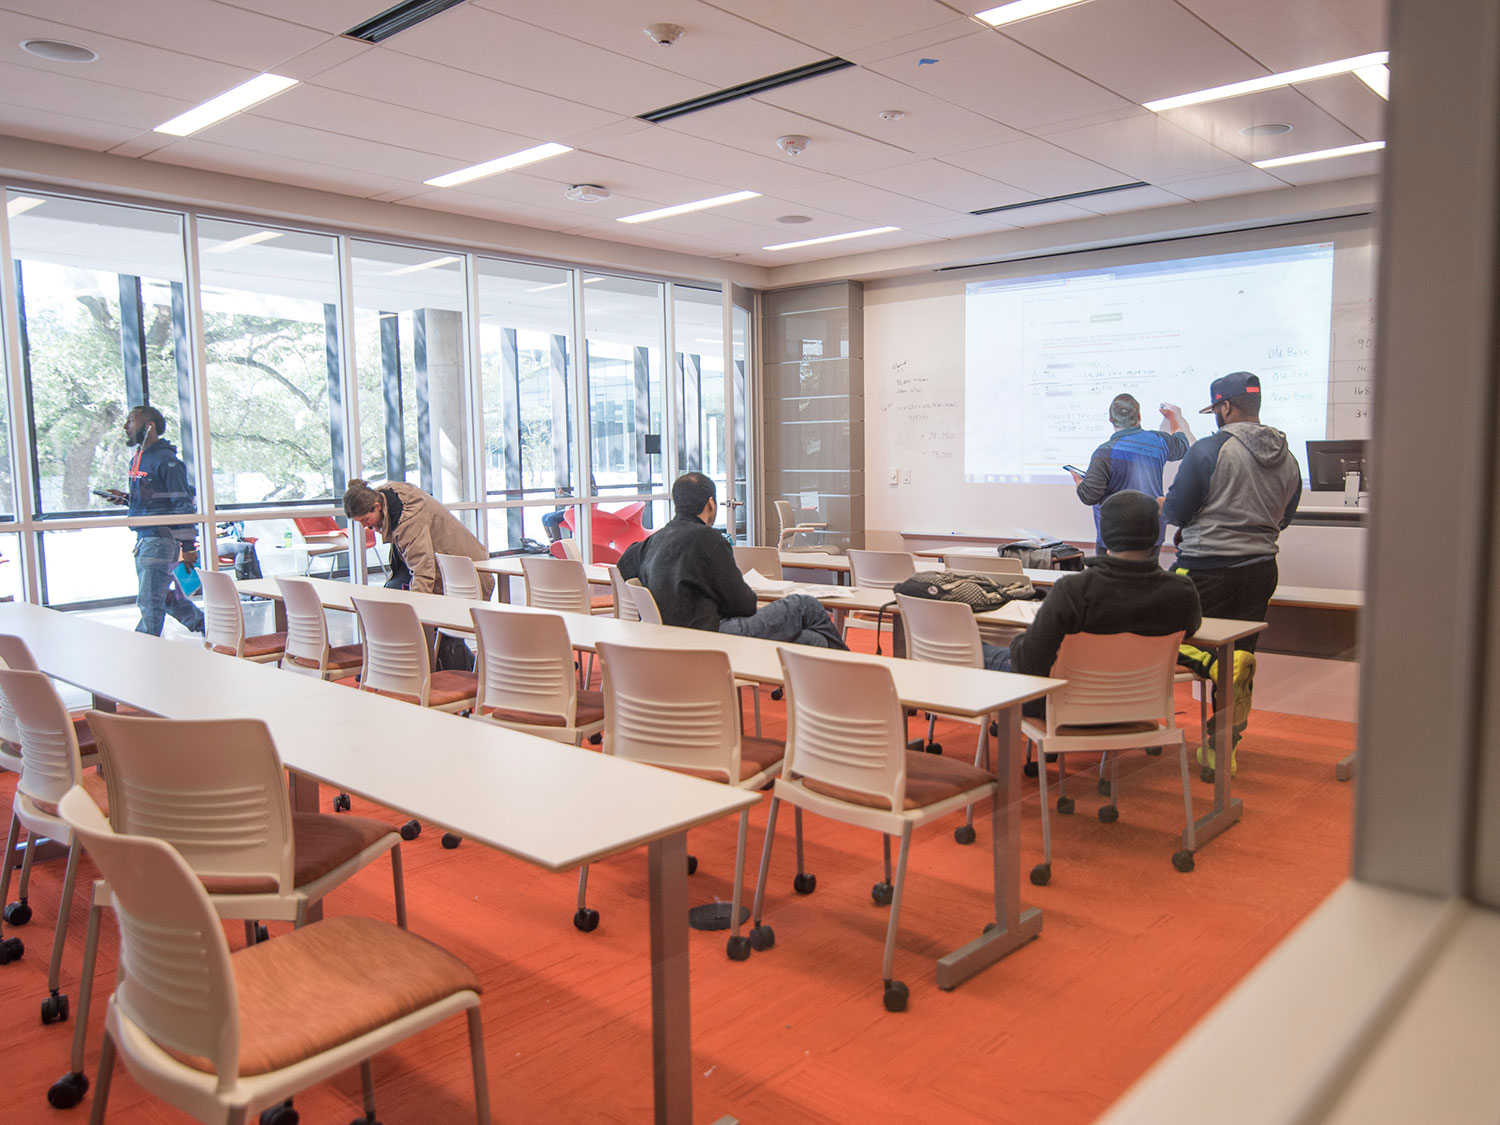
[[689, 568], [1122, 591]]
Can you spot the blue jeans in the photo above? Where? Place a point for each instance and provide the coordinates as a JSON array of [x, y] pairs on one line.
[[158, 594], [997, 659], [797, 618]]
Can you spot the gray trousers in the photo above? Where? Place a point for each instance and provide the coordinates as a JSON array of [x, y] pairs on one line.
[[797, 619]]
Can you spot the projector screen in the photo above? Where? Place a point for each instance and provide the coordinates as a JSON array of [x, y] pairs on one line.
[[1044, 355]]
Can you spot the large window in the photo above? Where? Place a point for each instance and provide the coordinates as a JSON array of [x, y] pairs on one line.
[[270, 336], [698, 327], [623, 323]]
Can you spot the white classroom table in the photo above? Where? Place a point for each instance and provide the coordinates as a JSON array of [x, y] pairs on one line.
[[966, 692], [489, 784], [506, 567]]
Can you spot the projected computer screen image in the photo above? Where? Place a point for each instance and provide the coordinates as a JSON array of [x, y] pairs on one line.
[[1045, 355]]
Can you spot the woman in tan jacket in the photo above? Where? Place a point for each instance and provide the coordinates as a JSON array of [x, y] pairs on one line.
[[418, 527]]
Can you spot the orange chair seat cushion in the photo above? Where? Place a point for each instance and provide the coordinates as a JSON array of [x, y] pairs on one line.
[[320, 842], [602, 602], [1142, 727], [267, 644], [446, 688], [93, 784], [756, 754], [362, 974], [930, 778], [340, 658], [590, 709]]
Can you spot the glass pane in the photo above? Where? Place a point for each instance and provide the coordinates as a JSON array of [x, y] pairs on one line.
[[410, 349], [270, 334], [739, 320], [11, 586], [624, 334], [93, 566], [99, 290], [525, 323], [698, 316], [308, 545], [543, 524]]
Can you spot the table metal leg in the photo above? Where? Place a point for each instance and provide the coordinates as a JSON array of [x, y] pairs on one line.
[[1345, 768], [671, 1028], [1226, 810], [1013, 927]]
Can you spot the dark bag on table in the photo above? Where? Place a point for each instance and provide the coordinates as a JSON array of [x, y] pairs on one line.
[[978, 591]]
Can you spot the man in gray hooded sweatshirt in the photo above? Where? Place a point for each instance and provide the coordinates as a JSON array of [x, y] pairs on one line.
[[1233, 494]]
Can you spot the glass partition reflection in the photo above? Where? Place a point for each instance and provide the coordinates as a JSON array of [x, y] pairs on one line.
[[623, 324]]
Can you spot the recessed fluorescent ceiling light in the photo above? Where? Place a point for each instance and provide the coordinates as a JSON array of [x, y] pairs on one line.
[[1378, 78], [1022, 10], [1322, 154], [230, 102], [684, 208], [423, 266], [21, 204], [244, 240], [1271, 81], [830, 238], [502, 164]]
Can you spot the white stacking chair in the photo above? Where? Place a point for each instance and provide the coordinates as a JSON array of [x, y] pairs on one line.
[[217, 1034], [215, 790], [525, 677], [765, 561], [876, 570], [624, 604], [789, 528], [50, 766], [645, 602], [15, 654], [561, 585], [1118, 696], [676, 709], [846, 759], [307, 649], [224, 623], [460, 577], [570, 549]]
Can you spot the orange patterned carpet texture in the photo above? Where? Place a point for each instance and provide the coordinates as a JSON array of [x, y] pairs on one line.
[[1132, 953]]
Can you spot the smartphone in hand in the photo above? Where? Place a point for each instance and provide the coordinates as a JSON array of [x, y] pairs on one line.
[[1074, 469]]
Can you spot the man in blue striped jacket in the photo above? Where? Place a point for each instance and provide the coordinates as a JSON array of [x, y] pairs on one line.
[[1132, 458]]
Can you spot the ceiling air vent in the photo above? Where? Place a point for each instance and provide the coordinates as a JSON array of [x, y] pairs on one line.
[[393, 21], [747, 89], [1060, 198]]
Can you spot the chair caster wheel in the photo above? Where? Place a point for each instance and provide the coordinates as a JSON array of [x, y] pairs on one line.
[[17, 913], [282, 1114], [1108, 814], [261, 934], [596, 739], [1041, 875], [1153, 751], [917, 745], [805, 883], [881, 893], [896, 995], [341, 803], [934, 747], [1065, 806], [1030, 769], [54, 1008], [1206, 773], [586, 919], [739, 948], [964, 833], [1104, 787], [692, 865], [762, 938], [68, 1090], [777, 693], [451, 840], [11, 949], [411, 830], [1183, 861]]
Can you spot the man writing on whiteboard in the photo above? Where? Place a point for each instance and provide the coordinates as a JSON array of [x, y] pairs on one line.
[[1133, 458], [1232, 497]]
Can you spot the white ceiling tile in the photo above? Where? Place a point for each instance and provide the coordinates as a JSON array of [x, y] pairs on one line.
[[717, 47], [1351, 102], [1320, 171], [659, 147], [1145, 147], [279, 139], [1222, 124], [330, 53], [853, 99], [767, 210], [1231, 183], [1140, 49], [925, 40], [201, 28], [966, 227], [74, 93], [1038, 167], [663, 240], [870, 206], [142, 144], [1285, 36], [1135, 199], [599, 134], [839, 27], [61, 128], [1034, 91], [753, 126], [458, 202], [335, 16], [946, 185], [1044, 214], [450, 92], [649, 187], [190, 152], [469, 38]]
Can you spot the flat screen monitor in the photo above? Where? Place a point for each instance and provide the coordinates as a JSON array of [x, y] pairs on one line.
[[1329, 461]]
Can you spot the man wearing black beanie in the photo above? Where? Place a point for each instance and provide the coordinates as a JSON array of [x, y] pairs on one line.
[[1124, 590]]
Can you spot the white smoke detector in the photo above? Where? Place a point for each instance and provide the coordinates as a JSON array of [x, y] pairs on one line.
[[892, 114], [663, 34], [586, 193], [794, 144]]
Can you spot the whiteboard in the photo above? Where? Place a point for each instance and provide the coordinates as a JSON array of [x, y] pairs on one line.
[[915, 398]]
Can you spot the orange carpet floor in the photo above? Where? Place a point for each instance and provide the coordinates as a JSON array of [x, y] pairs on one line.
[[1131, 954]]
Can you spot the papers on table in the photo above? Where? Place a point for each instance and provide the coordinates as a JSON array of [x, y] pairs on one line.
[[763, 585]]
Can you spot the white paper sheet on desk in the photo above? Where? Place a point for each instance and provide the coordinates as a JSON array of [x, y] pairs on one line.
[[1026, 610]]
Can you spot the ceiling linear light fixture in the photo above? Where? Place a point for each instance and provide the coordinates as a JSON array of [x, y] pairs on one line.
[[395, 20], [245, 240], [498, 165], [1321, 154], [449, 260], [747, 89], [1022, 10], [685, 208], [21, 204], [227, 104], [1271, 82], [1378, 78], [1062, 198], [831, 238]]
